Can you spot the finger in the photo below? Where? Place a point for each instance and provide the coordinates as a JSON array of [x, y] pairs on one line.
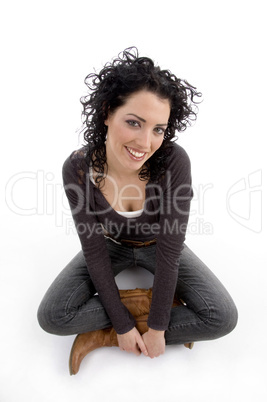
[[142, 346], [137, 352]]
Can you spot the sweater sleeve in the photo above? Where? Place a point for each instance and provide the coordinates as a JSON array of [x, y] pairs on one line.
[[94, 247], [175, 201]]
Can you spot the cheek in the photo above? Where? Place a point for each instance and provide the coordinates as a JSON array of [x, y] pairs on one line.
[[116, 134], [125, 135], [157, 143]]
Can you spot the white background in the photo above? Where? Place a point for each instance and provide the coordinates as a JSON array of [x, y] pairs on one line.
[[47, 49]]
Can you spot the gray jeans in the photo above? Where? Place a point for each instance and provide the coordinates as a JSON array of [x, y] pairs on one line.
[[70, 306]]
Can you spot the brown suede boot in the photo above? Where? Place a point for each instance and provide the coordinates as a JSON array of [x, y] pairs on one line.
[[138, 302], [87, 342]]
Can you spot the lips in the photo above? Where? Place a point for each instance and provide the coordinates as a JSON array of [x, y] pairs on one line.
[[138, 156]]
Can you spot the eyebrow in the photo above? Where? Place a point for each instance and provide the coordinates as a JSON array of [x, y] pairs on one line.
[[143, 120]]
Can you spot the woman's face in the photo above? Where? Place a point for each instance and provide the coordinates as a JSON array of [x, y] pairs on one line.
[[136, 131]]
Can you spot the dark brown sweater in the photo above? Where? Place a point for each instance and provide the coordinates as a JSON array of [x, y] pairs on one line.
[[165, 217]]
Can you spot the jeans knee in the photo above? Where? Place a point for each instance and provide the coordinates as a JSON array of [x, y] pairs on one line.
[[225, 318], [42, 318], [47, 321], [231, 316]]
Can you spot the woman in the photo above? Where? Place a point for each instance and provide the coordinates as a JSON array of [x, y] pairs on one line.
[[129, 190]]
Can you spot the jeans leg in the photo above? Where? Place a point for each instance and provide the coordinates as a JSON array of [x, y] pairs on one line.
[[209, 313], [70, 305]]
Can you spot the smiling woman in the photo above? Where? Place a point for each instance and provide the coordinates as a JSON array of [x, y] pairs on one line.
[[115, 84], [129, 189]]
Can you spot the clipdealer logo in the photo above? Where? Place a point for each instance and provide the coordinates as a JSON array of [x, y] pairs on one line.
[[244, 201]]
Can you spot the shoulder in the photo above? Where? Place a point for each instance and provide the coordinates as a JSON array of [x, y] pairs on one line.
[[75, 157], [178, 168], [177, 158], [75, 166]]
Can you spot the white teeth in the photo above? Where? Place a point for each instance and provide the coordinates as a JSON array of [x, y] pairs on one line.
[[137, 154]]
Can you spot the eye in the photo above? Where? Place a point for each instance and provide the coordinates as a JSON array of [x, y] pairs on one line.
[[133, 123], [159, 130]]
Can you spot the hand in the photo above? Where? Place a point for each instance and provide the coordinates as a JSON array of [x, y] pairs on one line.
[[155, 342], [132, 342]]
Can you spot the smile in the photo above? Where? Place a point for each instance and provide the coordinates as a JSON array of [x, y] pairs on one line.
[[135, 154]]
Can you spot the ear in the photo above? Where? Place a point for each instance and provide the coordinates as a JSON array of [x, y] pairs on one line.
[[109, 116], [106, 122]]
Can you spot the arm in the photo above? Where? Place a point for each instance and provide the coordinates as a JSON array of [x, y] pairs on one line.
[[177, 194], [176, 198], [94, 247]]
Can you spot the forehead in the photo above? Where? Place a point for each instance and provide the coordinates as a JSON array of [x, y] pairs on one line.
[[146, 101]]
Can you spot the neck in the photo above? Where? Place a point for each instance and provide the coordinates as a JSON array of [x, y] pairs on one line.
[[119, 175]]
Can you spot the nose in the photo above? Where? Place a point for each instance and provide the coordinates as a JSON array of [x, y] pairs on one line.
[[144, 140]]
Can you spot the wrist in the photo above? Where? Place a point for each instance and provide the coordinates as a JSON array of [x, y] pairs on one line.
[[155, 332]]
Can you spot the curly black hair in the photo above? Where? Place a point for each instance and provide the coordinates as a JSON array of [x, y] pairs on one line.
[[125, 75]]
